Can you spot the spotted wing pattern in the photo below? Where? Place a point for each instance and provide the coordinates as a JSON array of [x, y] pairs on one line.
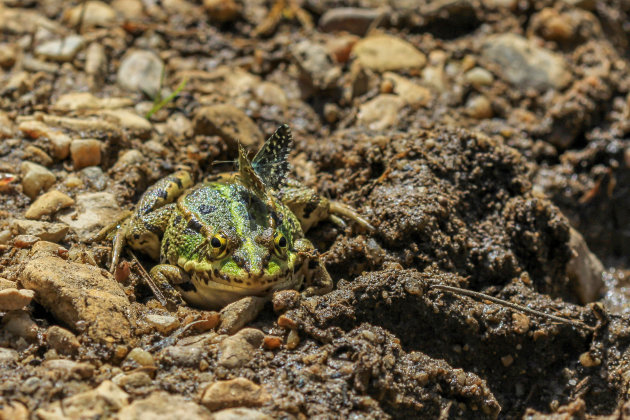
[[271, 160]]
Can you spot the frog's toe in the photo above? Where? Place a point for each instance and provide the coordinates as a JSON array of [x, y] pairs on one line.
[[338, 208]]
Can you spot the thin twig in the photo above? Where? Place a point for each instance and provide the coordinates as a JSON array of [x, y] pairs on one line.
[[147, 278], [514, 306]]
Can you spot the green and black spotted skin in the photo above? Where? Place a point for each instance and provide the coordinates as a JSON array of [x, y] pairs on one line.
[[221, 234]]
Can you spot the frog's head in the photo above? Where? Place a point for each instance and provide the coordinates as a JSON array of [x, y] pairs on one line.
[[236, 244]]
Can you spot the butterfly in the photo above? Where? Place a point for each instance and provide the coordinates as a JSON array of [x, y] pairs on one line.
[[270, 166]]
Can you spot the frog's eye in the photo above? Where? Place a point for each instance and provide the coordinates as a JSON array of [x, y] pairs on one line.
[[219, 245], [280, 242]]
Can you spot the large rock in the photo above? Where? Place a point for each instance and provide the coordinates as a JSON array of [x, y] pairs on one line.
[[237, 350], [228, 122], [525, 64], [97, 403], [93, 211], [163, 406], [85, 298]]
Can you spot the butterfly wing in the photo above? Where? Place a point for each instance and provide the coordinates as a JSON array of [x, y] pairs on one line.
[[248, 176], [271, 163]]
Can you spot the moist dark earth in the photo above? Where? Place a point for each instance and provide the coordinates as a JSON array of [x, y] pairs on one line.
[[487, 141]]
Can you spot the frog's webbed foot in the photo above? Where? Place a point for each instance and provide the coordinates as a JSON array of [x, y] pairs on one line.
[[317, 281], [163, 277]]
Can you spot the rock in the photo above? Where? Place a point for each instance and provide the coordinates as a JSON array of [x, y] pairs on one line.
[[187, 356], [478, 76], [62, 340], [47, 204], [47, 249], [6, 124], [8, 355], [12, 299], [93, 212], [387, 53], [133, 380], [91, 13], [97, 403], [85, 298], [130, 121], [412, 93], [85, 152], [14, 410], [61, 49], [82, 125], [229, 122], [130, 9], [141, 357], [349, 19], [19, 323], [240, 413], [93, 177], [526, 65], [164, 324], [237, 314], [60, 141], [37, 155], [84, 100], [479, 106], [381, 112], [314, 62], [236, 392], [584, 269], [5, 236], [141, 71], [47, 231], [8, 54], [237, 350], [95, 60], [35, 178], [222, 10], [161, 405], [70, 368], [24, 241], [6, 284], [283, 300]]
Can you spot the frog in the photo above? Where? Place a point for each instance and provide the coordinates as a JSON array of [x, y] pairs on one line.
[[234, 235]]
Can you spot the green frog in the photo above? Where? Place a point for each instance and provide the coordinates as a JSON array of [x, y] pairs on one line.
[[241, 234]]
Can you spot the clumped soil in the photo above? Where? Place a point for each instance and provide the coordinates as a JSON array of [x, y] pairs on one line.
[[485, 140]]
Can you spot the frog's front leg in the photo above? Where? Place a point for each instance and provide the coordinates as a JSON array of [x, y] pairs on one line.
[[317, 281], [164, 276], [311, 208], [143, 230]]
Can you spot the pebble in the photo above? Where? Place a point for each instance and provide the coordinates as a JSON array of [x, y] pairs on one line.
[[84, 100], [222, 10], [95, 60], [8, 355], [47, 231], [164, 324], [237, 350], [94, 178], [93, 211], [97, 403], [272, 342], [60, 141], [478, 106], [19, 323], [349, 19], [162, 405], [520, 323], [314, 62], [81, 296], [240, 413], [141, 70], [588, 360], [47, 204], [5, 236], [237, 392], [6, 284], [381, 112], [132, 380], [413, 94], [91, 13], [186, 356], [37, 155], [24, 241], [478, 76], [8, 54], [141, 357], [85, 152], [70, 368], [387, 53], [584, 270], [12, 299], [284, 300], [130, 9], [526, 65], [61, 49], [6, 124], [237, 314], [129, 121], [62, 340], [269, 93], [228, 122], [35, 179], [129, 158]]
